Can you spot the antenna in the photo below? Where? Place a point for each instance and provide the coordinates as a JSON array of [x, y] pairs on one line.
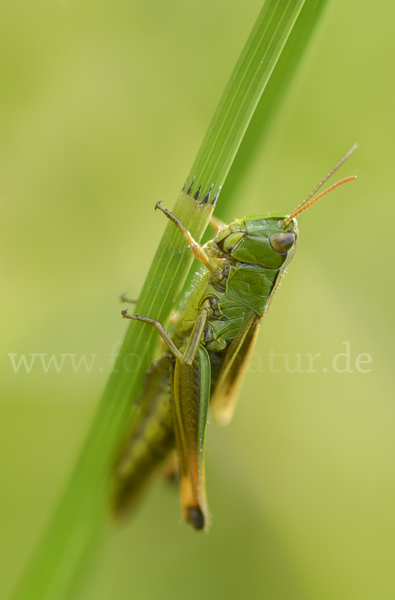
[[306, 204]]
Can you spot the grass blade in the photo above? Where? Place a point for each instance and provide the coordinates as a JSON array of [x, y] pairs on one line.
[[81, 513], [270, 102]]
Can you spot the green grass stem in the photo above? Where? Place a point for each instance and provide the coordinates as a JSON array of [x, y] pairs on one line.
[[79, 518]]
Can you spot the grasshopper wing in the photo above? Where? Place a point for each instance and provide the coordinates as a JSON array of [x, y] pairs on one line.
[[231, 374], [191, 399]]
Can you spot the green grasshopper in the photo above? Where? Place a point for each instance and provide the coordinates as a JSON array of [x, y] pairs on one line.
[[207, 351]]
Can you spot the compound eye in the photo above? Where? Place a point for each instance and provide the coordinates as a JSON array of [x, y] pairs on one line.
[[282, 242]]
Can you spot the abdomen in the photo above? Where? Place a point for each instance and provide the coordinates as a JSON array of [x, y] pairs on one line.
[[150, 440]]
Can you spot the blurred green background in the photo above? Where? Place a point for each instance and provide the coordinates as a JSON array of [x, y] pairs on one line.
[[103, 108]]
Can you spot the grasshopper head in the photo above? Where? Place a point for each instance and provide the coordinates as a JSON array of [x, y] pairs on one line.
[[260, 240], [270, 241]]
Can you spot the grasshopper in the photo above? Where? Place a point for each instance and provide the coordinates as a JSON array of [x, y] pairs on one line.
[[206, 351]]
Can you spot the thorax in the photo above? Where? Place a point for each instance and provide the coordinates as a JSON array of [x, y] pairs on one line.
[[229, 298]]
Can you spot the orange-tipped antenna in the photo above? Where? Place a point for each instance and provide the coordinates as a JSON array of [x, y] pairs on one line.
[[306, 204]]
